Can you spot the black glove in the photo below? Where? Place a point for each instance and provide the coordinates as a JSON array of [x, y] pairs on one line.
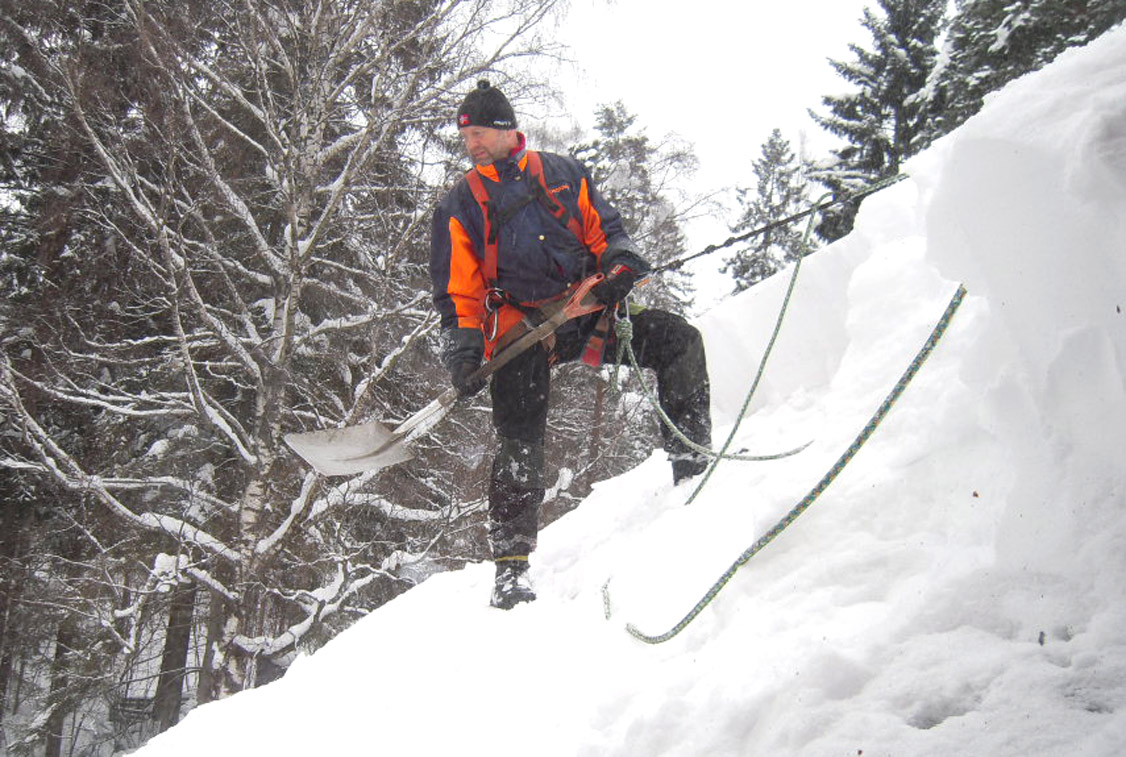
[[624, 269], [461, 376], [462, 352], [615, 286]]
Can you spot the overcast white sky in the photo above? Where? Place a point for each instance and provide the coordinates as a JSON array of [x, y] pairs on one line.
[[718, 73]]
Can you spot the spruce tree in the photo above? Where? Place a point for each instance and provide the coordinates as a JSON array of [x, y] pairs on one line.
[[883, 121], [780, 192], [992, 42]]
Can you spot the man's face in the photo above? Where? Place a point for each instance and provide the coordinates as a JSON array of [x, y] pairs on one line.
[[486, 145]]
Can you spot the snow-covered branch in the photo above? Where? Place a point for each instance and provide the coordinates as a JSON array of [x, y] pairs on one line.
[[67, 471], [118, 402], [360, 395], [317, 604], [352, 493]]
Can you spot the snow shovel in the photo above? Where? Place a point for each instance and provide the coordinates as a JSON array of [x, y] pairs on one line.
[[372, 446]]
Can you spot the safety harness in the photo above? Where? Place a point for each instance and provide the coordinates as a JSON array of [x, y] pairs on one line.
[[495, 218]]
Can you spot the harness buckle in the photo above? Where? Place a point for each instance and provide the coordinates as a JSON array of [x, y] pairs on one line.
[[495, 299]]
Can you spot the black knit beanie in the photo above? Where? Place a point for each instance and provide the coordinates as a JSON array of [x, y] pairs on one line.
[[486, 106]]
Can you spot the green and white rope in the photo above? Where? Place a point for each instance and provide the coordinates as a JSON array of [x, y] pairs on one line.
[[815, 210], [626, 334], [822, 485]]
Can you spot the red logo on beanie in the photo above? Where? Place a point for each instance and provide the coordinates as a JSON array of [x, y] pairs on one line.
[[463, 119]]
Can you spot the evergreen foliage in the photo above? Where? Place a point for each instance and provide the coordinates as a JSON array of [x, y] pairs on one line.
[[992, 42], [636, 176], [884, 120], [780, 192]]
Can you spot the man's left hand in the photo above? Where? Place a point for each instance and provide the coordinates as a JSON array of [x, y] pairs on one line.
[[614, 288]]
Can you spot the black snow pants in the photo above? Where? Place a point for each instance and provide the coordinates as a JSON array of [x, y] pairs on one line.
[[662, 341]]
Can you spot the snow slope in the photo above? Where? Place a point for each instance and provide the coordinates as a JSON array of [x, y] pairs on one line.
[[959, 589]]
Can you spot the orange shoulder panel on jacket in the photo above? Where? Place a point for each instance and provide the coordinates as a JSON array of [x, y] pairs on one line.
[[467, 283], [593, 235]]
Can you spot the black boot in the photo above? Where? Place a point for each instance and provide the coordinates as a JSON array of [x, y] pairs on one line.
[[513, 585], [687, 466]]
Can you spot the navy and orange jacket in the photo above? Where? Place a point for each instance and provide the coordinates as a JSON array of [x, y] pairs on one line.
[[538, 257]]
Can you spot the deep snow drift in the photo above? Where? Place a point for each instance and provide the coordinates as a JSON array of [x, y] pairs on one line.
[[959, 589]]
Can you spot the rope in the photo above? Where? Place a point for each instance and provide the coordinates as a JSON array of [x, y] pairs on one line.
[[625, 333], [869, 190], [823, 484], [765, 355]]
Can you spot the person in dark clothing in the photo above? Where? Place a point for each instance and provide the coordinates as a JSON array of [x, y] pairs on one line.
[[520, 230]]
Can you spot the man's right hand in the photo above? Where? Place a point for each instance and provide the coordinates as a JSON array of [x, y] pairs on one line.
[[614, 288], [462, 352], [461, 376]]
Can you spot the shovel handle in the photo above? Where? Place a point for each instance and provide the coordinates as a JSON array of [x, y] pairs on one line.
[[581, 302]]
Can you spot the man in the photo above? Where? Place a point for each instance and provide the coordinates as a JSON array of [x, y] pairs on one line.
[[519, 231]]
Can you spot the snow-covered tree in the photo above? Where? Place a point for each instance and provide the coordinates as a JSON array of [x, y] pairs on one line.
[[220, 239], [883, 121], [992, 42], [780, 192]]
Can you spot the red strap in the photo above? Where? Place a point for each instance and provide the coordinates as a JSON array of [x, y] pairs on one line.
[[477, 187], [596, 345]]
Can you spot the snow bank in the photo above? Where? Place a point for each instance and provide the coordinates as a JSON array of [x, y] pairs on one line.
[[959, 589]]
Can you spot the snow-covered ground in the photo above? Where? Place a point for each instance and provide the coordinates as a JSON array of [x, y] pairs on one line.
[[959, 589]]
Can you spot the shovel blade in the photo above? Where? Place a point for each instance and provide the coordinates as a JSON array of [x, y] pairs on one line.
[[347, 451]]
